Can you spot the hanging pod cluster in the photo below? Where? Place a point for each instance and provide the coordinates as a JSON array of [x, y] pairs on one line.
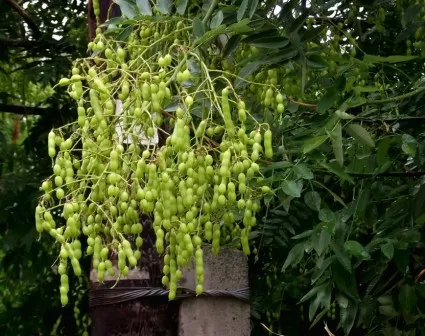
[[159, 134]]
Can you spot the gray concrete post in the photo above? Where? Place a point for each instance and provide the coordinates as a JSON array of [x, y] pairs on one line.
[[216, 316]]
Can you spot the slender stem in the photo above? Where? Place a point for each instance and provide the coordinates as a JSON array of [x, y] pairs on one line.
[[213, 5], [18, 9], [393, 99]]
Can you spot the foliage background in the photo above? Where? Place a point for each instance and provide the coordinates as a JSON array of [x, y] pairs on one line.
[[341, 240]]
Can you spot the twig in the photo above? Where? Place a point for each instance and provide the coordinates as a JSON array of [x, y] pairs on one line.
[[393, 174], [268, 329], [328, 331], [18, 9], [393, 99], [420, 275], [21, 109], [301, 103], [18, 43], [213, 5]]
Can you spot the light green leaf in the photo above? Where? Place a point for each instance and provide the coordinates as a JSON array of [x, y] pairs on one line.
[[252, 8], [198, 27], [181, 6], [303, 171], [242, 9], [389, 59], [240, 27], [144, 7], [294, 256], [164, 6], [338, 150], [313, 143], [313, 200], [356, 249], [216, 20], [291, 188], [409, 145], [360, 134], [127, 8]]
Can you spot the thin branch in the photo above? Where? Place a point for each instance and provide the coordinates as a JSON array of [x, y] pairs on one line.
[[24, 110], [18, 43], [393, 99], [210, 11], [401, 118], [391, 174], [301, 103], [18, 9]]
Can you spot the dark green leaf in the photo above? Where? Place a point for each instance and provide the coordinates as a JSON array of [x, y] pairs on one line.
[[387, 249], [313, 308], [231, 45], [356, 249], [341, 256], [327, 101], [336, 169], [303, 171], [313, 143], [360, 134], [295, 255], [406, 298], [322, 269], [273, 42], [299, 22], [345, 281], [291, 188], [312, 293], [319, 317], [144, 7], [210, 35], [338, 150], [324, 240], [303, 235], [313, 200], [181, 6], [198, 27], [164, 6], [253, 66], [348, 316], [125, 33], [252, 8]]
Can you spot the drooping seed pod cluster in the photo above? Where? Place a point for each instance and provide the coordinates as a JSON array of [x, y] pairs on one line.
[[157, 134]]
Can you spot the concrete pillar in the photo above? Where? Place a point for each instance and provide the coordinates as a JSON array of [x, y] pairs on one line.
[[216, 316]]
